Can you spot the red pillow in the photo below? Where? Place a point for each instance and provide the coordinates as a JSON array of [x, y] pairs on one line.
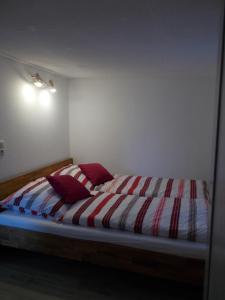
[[69, 188], [96, 173]]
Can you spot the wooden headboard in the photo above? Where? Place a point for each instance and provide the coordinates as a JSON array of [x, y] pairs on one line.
[[10, 186]]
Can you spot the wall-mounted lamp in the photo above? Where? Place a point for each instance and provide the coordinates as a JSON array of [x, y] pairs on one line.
[[37, 80], [51, 86], [40, 83]]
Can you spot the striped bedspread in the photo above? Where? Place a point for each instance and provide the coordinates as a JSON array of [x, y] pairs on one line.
[[156, 187], [36, 198], [168, 217]]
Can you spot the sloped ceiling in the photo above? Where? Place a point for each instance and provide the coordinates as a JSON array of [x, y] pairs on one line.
[[82, 38]]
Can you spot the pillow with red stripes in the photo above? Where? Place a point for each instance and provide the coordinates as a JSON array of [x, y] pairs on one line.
[[37, 198], [75, 171], [96, 173]]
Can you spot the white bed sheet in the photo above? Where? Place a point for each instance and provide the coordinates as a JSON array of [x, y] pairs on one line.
[[162, 245]]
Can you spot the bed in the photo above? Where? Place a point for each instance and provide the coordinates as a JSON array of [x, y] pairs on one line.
[[150, 255]]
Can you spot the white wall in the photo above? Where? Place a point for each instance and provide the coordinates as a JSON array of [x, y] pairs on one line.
[[35, 132], [160, 125], [158, 119]]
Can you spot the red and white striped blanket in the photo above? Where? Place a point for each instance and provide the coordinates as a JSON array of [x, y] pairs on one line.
[[156, 187], [36, 198], [175, 218]]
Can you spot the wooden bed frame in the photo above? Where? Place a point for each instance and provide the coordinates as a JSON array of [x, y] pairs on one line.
[[167, 266]]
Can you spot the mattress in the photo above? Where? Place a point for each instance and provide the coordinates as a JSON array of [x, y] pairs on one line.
[[156, 244]]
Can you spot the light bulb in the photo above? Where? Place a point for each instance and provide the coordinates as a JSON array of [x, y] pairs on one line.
[[52, 90], [38, 84]]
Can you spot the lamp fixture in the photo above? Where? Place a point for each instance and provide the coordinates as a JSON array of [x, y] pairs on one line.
[[37, 80], [51, 86], [40, 83]]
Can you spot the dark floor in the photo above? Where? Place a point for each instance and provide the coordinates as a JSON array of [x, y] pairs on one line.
[[28, 276]]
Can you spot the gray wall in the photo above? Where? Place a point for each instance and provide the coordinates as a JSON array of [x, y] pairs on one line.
[[157, 115], [35, 129], [161, 125]]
